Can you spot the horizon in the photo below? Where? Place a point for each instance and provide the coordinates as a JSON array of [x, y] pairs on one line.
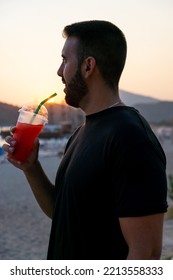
[[62, 101]]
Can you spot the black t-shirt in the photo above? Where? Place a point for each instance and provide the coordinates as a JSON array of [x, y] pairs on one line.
[[113, 167]]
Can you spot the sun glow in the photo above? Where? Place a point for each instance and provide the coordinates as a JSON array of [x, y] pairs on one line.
[[52, 100], [58, 99]]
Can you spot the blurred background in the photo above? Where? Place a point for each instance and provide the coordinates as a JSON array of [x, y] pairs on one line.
[[30, 55]]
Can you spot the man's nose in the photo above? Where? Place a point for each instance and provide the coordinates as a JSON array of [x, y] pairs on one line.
[[60, 71]]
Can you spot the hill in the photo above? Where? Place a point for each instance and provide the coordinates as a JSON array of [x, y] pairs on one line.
[[57, 113], [154, 110], [8, 114], [132, 99], [157, 113]]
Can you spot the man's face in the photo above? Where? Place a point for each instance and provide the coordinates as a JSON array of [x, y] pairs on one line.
[[70, 72]]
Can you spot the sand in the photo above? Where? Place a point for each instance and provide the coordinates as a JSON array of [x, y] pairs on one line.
[[25, 229]]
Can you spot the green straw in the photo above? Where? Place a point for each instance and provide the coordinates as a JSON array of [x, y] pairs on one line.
[[41, 103], [44, 101]]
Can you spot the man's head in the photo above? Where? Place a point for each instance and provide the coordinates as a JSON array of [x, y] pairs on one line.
[[105, 42], [96, 44]]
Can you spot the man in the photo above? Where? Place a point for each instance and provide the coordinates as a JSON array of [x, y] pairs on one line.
[[109, 197]]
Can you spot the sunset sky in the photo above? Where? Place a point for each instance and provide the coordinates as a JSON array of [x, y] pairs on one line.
[[31, 44]]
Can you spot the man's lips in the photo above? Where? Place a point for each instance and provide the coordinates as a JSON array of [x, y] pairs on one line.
[[65, 85]]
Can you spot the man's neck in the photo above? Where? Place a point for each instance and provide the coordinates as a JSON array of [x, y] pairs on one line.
[[98, 101]]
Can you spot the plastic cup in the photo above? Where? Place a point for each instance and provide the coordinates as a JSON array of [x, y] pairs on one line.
[[28, 127]]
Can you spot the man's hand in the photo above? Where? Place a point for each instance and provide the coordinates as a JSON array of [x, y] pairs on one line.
[[9, 147]]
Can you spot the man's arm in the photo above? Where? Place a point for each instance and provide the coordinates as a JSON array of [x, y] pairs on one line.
[[42, 188], [143, 236]]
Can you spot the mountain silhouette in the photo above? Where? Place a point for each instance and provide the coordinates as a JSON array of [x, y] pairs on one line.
[[154, 110], [131, 99]]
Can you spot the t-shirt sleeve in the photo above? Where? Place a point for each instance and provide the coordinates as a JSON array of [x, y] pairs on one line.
[[142, 188]]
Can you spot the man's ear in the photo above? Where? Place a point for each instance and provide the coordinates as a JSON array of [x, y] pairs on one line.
[[88, 66]]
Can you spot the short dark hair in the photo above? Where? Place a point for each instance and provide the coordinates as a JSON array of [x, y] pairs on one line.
[[105, 42]]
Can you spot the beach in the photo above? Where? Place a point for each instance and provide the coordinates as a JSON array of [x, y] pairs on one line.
[[25, 229]]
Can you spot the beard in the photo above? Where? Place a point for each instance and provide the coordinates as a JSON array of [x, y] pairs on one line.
[[75, 90]]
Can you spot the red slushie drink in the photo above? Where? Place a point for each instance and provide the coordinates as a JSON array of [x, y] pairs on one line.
[[28, 127]]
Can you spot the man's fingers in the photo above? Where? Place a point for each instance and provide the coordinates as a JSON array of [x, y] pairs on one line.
[[8, 148], [8, 139], [12, 130]]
